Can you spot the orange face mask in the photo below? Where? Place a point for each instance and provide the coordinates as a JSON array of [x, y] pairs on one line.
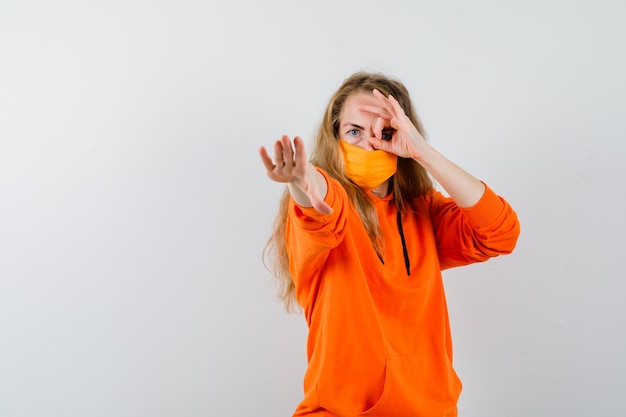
[[368, 169]]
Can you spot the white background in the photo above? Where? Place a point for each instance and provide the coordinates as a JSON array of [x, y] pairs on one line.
[[134, 207]]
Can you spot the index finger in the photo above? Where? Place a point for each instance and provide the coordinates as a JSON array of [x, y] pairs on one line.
[[378, 111]]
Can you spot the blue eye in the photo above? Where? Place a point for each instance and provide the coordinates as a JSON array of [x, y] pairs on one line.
[[353, 132]]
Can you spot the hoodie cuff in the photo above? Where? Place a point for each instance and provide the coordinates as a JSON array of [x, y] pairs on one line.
[[487, 210]]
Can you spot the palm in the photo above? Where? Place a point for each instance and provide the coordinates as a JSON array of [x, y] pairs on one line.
[[291, 166]]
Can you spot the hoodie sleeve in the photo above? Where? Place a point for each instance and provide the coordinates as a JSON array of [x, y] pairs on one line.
[[474, 234], [310, 235]]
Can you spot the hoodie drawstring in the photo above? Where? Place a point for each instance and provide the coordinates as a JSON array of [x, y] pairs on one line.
[[407, 262]]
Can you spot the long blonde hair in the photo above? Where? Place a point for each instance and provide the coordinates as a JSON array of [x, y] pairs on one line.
[[410, 181]]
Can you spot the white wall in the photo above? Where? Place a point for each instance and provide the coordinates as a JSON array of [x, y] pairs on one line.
[[134, 208]]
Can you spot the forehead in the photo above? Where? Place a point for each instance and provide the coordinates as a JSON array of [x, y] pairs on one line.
[[350, 109]]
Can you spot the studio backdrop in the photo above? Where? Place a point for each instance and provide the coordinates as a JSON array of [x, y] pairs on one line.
[[134, 207]]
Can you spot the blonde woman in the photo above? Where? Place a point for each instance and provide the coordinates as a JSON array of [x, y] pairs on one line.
[[359, 243]]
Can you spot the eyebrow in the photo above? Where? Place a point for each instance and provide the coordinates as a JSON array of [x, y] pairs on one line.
[[353, 125]]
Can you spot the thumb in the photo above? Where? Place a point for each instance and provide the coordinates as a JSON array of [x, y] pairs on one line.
[[316, 200]]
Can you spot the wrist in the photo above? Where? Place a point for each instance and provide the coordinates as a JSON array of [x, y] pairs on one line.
[[425, 155]]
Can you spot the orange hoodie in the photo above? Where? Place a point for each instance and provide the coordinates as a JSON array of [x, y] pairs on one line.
[[379, 339]]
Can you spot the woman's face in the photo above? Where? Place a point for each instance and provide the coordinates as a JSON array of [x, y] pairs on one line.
[[355, 126]]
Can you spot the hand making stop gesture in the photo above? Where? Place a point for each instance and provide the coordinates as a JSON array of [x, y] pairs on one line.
[[307, 186]]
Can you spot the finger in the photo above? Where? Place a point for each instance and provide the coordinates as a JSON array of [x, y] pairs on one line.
[[380, 96], [317, 201], [379, 125], [300, 158], [396, 105], [322, 207], [377, 111], [278, 153], [383, 145], [390, 103], [267, 161], [287, 155], [384, 100]]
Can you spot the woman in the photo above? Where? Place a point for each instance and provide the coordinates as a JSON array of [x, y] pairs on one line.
[[360, 241]]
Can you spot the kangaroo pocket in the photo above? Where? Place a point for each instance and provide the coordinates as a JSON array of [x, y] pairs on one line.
[[418, 385]]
